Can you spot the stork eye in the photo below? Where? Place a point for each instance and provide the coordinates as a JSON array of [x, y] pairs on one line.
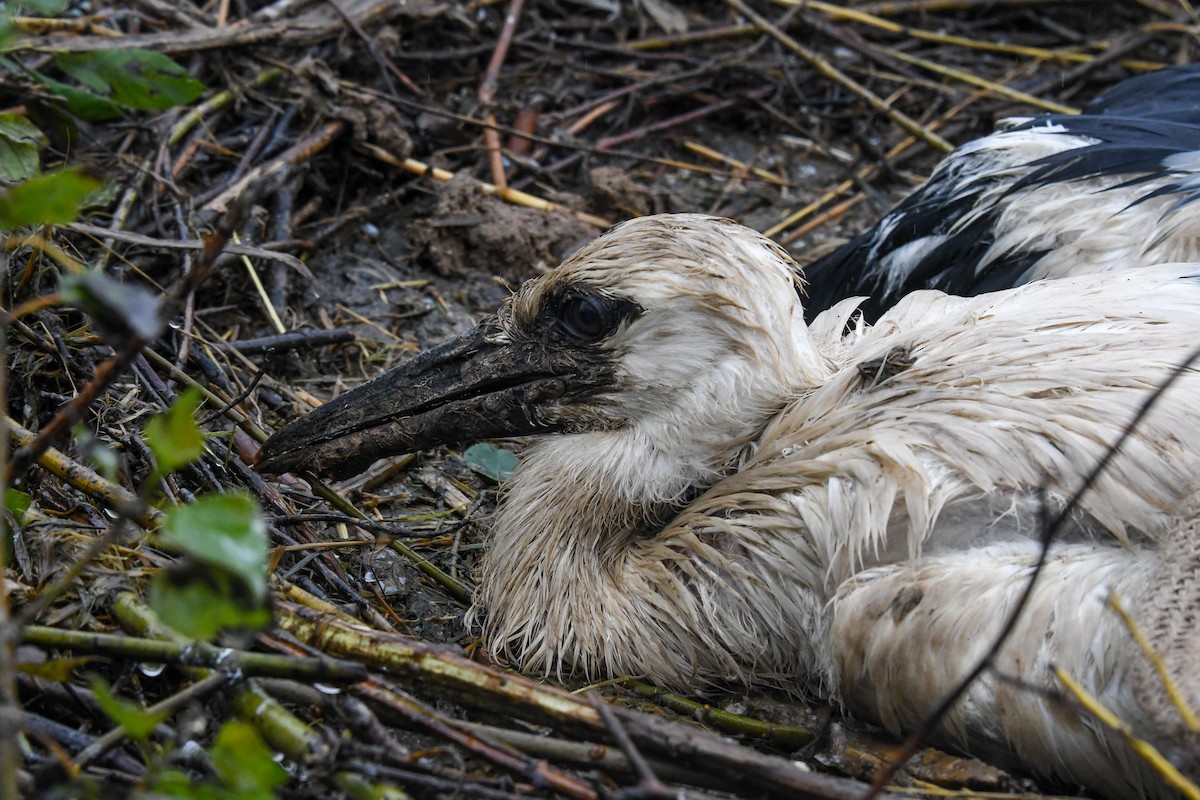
[[587, 318]]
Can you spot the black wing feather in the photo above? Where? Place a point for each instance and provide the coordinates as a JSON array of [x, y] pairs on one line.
[[1137, 126]]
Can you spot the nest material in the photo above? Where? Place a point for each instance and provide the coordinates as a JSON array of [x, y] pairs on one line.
[[386, 171]]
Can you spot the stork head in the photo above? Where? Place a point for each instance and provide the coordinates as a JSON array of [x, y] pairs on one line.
[[682, 331]]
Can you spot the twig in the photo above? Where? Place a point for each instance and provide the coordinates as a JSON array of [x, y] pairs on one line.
[[478, 685], [514, 196], [236, 400], [267, 177], [1170, 774], [196, 654], [10, 702], [110, 370], [648, 783], [540, 773], [487, 91], [1172, 688], [202, 688], [292, 340], [991, 87], [389, 67], [791, 737], [281, 729], [232, 248], [117, 498], [834, 74]]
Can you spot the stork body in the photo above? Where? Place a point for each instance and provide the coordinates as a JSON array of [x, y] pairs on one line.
[[738, 497], [1042, 197]]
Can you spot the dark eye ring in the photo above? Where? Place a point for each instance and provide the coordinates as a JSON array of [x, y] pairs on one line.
[[586, 318]]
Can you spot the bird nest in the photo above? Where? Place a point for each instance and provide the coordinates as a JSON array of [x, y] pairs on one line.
[[317, 191]]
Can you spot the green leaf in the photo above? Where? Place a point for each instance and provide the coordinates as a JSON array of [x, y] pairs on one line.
[[21, 143], [120, 310], [50, 199], [173, 436], [58, 670], [8, 33], [225, 531], [245, 763], [44, 8], [93, 449], [491, 461], [201, 601], [17, 503], [132, 719], [140, 79], [173, 784], [81, 102], [222, 583]]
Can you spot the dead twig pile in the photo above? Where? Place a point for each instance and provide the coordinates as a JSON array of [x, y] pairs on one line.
[[357, 180]]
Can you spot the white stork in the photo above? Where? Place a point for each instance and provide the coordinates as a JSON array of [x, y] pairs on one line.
[[1046, 196], [737, 497]]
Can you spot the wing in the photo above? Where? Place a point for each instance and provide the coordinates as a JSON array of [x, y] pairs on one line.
[[1038, 199]]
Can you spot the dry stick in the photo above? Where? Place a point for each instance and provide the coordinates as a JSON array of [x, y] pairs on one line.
[[388, 65], [482, 686], [1156, 660], [266, 177], [649, 784], [487, 92], [414, 711], [834, 74], [1050, 529], [514, 196], [282, 730], [539, 773], [197, 654], [202, 688], [837, 13], [997, 89], [741, 166], [593, 754], [10, 702], [42, 26], [299, 31], [788, 737], [1170, 774], [292, 340], [825, 216], [85, 479], [113, 368]]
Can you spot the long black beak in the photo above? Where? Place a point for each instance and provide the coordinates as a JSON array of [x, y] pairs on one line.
[[475, 386]]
